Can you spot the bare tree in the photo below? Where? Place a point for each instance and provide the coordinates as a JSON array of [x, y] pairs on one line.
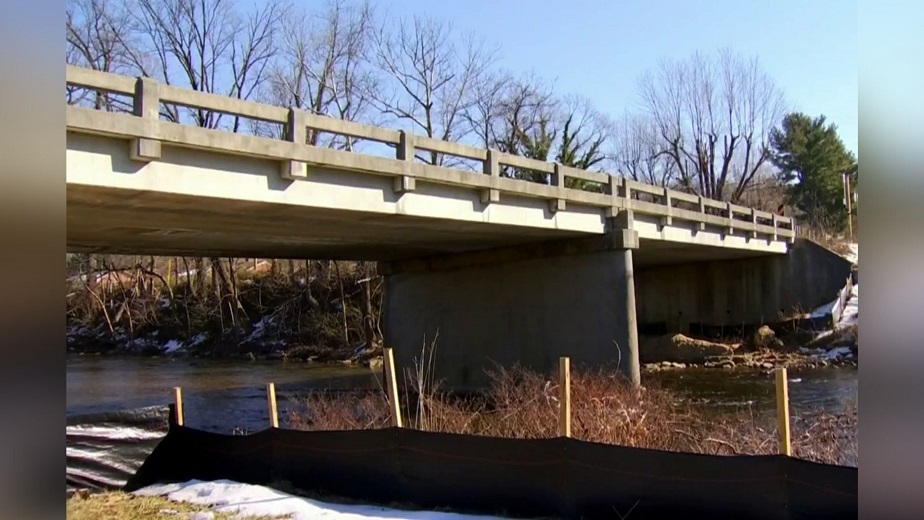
[[713, 118], [485, 114], [209, 46], [97, 37], [429, 78], [528, 118], [585, 132], [637, 152], [323, 66]]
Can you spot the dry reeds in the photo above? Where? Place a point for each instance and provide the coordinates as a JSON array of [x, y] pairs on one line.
[[605, 408]]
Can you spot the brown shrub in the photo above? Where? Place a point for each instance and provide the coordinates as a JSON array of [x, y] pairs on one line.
[[605, 408]]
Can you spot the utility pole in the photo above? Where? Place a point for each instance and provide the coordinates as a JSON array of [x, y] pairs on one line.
[[848, 203]]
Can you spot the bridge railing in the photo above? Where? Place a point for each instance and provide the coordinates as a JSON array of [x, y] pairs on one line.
[[593, 189]]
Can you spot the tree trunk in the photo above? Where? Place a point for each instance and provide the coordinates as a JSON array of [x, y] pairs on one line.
[[368, 321], [343, 305]]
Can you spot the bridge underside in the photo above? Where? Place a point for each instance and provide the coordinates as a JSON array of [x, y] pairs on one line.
[[149, 222], [126, 221]]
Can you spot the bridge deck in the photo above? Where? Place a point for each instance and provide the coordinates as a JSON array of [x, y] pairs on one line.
[[139, 184]]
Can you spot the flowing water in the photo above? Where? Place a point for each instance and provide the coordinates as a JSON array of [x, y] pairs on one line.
[[228, 395]]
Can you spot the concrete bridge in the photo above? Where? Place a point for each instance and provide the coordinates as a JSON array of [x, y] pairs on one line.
[[505, 269]]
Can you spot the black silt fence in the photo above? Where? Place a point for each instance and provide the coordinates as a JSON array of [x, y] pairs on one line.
[[104, 450], [558, 477]]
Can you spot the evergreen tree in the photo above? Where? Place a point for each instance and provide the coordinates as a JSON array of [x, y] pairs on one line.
[[812, 160]]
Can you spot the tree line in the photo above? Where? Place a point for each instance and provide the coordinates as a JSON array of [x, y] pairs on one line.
[[703, 124]]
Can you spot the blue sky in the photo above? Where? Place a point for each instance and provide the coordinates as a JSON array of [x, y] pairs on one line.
[[599, 48]]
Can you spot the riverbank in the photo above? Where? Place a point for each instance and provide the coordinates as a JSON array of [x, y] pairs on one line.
[[329, 314], [836, 348], [317, 312]]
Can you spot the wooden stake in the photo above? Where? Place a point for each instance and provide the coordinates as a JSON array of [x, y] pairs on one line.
[[782, 411], [392, 382], [178, 404], [564, 397], [271, 405]]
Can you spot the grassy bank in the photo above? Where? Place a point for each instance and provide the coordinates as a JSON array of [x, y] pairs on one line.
[[130, 507], [605, 409]]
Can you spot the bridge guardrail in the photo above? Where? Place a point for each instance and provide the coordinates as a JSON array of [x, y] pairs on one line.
[[611, 192]]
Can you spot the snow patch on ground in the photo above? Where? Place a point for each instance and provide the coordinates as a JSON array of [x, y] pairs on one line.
[[230, 497], [838, 352], [851, 309], [173, 346], [260, 328], [854, 255], [824, 310], [848, 315]]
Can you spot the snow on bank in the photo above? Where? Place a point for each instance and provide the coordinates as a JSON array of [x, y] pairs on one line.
[[851, 309], [829, 355], [854, 255], [230, 497], [848, 315]]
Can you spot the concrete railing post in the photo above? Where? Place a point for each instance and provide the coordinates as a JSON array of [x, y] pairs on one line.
[[490, 167], [701, 226], [296, 131], [776, 226], [405, 152], [626, 190], [731, 218], [754, 223], [612, 189], [146, 105], [558, 180], [667, 220]]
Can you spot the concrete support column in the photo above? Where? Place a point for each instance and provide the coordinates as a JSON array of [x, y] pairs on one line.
[[630, 350], [526, 305]]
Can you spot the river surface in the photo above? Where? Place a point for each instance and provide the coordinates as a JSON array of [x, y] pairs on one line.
[[228, 395]]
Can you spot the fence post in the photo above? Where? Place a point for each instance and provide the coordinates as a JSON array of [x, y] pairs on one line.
[[564, 397], [271, 405], [782, 412], [178, 405], [392, 383]]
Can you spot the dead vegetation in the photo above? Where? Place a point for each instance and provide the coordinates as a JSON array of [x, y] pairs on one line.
[[113, 301], [523, 404]]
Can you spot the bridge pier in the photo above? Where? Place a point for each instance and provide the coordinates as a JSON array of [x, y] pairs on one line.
[[525, 305]]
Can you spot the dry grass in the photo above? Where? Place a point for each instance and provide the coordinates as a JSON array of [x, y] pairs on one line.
[[131, 507], [524, 404]]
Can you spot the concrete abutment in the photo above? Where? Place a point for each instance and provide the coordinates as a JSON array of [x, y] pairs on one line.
[[525, 305]]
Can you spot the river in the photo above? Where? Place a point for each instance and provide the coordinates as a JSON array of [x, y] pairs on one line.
[[228, 395]]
